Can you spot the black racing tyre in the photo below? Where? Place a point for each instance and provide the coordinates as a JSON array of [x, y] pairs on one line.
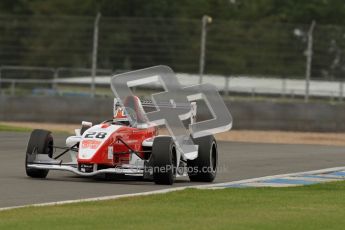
[[163, 160], [204, 167], [42, 142]]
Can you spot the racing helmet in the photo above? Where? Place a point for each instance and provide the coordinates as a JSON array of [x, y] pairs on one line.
[[120, 113], [131, 113]]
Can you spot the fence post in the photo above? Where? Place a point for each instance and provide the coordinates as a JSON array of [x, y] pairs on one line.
[[341, 91], [56, 77], [13, 87], [205, 19], [0, 81], [226, 88], [309, 54], [94, 54], [283, 87]]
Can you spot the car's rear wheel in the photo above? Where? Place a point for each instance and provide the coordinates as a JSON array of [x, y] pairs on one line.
[[204, 167], [41, 142], [163, 160]]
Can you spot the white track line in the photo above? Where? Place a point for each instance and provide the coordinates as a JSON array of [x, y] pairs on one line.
[[311, 179], [162, 191], [264, 184], [320, 171]]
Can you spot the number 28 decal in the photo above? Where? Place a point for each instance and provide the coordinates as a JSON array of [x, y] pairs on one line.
[[99, 135]]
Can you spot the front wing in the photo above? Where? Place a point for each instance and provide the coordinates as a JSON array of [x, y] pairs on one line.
[[134, 171]]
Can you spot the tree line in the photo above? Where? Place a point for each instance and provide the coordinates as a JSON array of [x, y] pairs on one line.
[[246, 36]]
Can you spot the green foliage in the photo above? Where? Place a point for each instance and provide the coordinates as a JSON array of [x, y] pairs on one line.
[[8, 128], [245, 37], [294, 11]]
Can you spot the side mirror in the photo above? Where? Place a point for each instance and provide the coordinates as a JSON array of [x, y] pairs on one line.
[[85, 125]]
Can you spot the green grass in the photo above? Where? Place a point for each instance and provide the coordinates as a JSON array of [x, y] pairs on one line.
[[319, 206], [8, 128]]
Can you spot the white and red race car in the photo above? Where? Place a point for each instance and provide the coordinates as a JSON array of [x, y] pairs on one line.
[[118, 146]]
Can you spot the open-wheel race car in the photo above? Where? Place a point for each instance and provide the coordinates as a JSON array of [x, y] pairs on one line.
[[118, 146]]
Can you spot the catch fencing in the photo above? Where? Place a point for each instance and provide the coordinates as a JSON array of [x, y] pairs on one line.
[[34, 49]]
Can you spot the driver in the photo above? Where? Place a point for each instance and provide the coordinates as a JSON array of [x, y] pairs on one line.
[[131, 114], [120, 115]]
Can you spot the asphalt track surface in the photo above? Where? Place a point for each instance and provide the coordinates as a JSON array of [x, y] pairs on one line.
[[237, 161]]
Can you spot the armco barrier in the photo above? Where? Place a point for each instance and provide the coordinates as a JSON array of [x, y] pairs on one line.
[[320, 117], [252, 115]]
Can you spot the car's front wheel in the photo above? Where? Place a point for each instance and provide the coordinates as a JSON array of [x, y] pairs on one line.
[[41, 142], [163, 160]]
